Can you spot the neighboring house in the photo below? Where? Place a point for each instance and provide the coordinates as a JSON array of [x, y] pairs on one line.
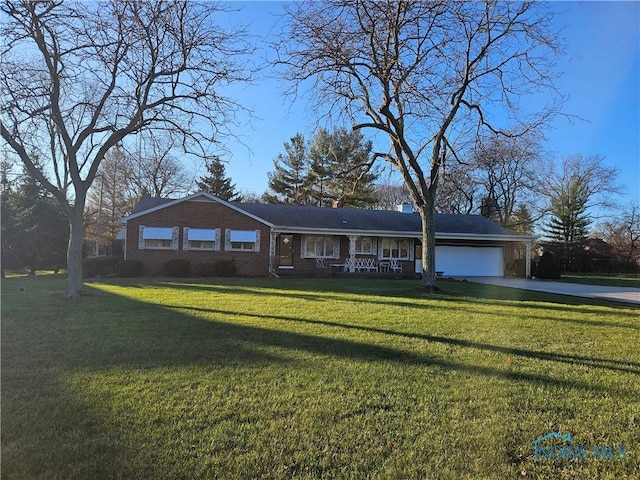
[[268, 239]]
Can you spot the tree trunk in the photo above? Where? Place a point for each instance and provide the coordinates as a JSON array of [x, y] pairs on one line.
[[75, 282], [427, 216]]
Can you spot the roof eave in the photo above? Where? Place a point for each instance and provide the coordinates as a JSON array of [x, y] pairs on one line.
[[402, 233], [192, 197]]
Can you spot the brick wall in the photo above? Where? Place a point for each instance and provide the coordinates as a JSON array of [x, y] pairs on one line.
[[198, 214]]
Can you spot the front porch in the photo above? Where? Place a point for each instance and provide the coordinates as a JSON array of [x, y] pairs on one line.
[[340, 254], [319, 254]]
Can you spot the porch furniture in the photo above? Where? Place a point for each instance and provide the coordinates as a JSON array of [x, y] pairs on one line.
[[384, 266], [360, 265], [347, 265], [320, 263], [369, 264], [338, 266], [395, 266]]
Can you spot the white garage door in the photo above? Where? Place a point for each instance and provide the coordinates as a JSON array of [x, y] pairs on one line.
[[470, 261]]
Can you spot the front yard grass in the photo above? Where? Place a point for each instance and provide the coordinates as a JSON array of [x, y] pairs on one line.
[[609, 280], [349, 379]]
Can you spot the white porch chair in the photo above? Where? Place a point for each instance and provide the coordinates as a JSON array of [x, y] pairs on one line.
[[395, 266], [370, 265]]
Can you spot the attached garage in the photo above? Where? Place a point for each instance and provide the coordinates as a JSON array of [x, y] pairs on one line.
[[470, 261]]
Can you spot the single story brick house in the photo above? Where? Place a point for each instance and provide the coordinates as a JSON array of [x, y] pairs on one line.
[[268, 239]]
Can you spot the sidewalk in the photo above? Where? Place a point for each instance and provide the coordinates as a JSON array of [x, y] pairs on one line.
[[618, 294]]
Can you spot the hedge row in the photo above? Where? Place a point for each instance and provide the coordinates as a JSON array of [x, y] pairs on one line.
[[182, 268], [106, 266]]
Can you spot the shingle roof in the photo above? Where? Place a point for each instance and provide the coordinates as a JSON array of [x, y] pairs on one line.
[[147, 203], [348, 219], [368, 220]]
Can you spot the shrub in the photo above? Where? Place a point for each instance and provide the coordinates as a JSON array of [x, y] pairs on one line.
[[226, 268], [177, 267], [130, 268], [547, 267], [206, 269], [99, 266]]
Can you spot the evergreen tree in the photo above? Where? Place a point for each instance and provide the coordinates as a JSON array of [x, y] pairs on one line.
[[36, 232], [217, 183], [567, 227], [579, 185], [340, 169], [8, 215], [521, 220], [547, 267], [289, 182], [334, 168]]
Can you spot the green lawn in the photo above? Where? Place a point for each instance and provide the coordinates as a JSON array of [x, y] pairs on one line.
[[350, 379], [614, 280]]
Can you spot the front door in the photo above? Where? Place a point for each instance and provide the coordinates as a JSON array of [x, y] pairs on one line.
[[285, 246]]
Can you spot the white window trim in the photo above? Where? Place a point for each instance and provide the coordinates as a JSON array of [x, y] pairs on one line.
[[373, 249], [186, 243], [336, 246], [409, 256], [228, 242], [142, 241]]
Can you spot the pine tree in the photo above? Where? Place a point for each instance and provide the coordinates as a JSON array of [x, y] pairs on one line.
[[289, 182], [521, 220], [217, 183], [569, 221], [334, 168], [37, 230], [340, 170]]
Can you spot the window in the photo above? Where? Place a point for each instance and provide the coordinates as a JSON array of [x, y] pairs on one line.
[[243, 240], [395, 248], [320, 247], [161, 238], [201, 239], [364, 246]]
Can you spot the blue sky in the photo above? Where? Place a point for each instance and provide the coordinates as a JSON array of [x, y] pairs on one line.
[[601, 74]]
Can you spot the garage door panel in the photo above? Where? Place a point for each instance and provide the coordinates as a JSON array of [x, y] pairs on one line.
[[470, 261]]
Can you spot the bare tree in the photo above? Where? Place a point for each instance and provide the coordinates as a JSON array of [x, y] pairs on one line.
[[622, 232], [423, 74], [81, 77], [458, 190], [507, 171], [108, 201], [155, 171], [391, 193]]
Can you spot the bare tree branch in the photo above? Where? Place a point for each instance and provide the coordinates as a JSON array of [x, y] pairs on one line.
[[80, 78], [406, 68]]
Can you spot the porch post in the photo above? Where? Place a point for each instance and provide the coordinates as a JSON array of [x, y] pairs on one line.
[[273, 267], [527, 244], [352, 252]]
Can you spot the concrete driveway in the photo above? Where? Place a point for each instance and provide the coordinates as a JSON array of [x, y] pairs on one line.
[[619, 294]]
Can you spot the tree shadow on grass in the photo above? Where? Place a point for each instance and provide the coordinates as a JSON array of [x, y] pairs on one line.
[[457, 291], [122, 333], [457, 300], [601, 363]]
